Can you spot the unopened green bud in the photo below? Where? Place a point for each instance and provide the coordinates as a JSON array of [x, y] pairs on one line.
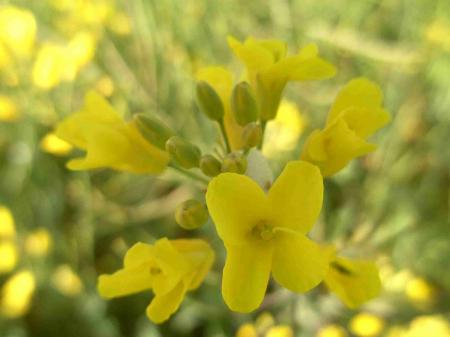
[[235, 162], [185, 154], [191, 214], [210, 165], [209, 101], [244, 105], [252, 135], [152, 129]]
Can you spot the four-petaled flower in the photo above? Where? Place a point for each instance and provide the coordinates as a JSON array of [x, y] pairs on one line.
[[268, 69], [356, 114], [169, 267], [266, 233], [108, 140]]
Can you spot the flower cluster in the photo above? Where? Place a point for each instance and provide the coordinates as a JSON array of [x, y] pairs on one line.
[[264, 224]]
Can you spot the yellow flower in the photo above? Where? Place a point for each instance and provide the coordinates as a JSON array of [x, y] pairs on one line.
[[38, 243], [432, 325], [353, 281], [355, 115], [17, 30], [108, 140], [49, 67], [8, 253], [332, 330], [51, 143], [283, 132], [169, 268], [269, 69], [16, 294], [264, 233], [67, 281], [366, 325], [7, 226], [8, 109], [420, 291], [222, 82]]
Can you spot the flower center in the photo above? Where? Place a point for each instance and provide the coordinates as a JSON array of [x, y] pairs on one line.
[[263, 231]]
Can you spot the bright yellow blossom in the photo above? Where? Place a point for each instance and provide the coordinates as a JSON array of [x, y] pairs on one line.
[[51, 143], [50, 66], [38, 242], [356, 114], [264, 233], [108, 140], [8, 249], [222, 82], [332, 330], [16, 294], [353, 281], [8, 109], [366, 325], [169, 268], [17, 30], [268, 69]]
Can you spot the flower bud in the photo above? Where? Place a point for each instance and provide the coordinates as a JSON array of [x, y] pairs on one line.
[[243, 104], [252, 135], [235, 162], [209, 101], [153, 130], [191, 214], [210, 165], [185, 154]]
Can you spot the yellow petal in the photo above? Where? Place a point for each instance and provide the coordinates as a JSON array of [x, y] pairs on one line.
[[8, 252], [246, 274], [353, 281], [138, 254], [16, 294], [296, 196], [338, 143], [255, 56], [247, 330], [236, 204], [125, 282], [163, 306], [359, 104], [172, 264], [359, 92], [200, 256], [299, 263], [7, 226], [277, 48], [280, 331]]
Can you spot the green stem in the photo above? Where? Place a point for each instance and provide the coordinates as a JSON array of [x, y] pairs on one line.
[[225, 137], [189, 174]]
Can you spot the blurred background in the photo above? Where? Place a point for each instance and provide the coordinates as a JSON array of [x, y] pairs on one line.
[[59, 229]]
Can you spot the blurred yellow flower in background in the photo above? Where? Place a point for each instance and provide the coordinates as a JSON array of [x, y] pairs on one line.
[[16, 294], [49, 66], [38, 243], [66, 281], [366, 325], [17, 30], [51, 143], [283, 132], [8, 249], [420, 291], [432, 325], [438, 32], [264, 327], [9, 111], [332, 330]]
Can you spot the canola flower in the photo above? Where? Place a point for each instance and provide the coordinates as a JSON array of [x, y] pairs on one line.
[[108, 140], [169, 268], [266, 234], [356, 114], [263, 223]]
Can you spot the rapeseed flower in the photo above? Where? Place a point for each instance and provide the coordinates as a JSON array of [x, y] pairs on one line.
[[353, 281], [16, 294], [356, 114], [269, 68], [108, 140], [266, 233], [366, 324], [8, 249], [169, 268]]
